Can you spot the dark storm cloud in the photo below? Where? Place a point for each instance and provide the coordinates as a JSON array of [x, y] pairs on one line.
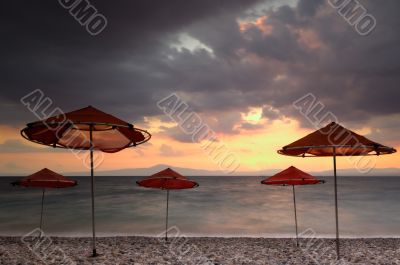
[[356, 76], [309, 7], [122, 70], [296, 50]]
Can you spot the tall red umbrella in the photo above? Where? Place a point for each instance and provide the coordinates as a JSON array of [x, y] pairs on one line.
[[335, 140], [45, 179], [291, 177], [167, 179], [86, 129]]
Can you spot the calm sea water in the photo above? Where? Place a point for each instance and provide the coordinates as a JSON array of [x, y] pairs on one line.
[[221, 206]]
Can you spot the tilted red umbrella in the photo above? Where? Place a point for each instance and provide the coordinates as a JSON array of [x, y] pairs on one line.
[[45, 179], [335, 140], [86, 129], [167, 179], [290, 177]]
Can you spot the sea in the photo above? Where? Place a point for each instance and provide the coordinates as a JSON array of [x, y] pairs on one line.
[[234, 206]]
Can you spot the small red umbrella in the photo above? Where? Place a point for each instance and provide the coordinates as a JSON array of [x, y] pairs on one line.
[[86, 129], [167, 179], [335, 140], [290, 177], [45, 179]]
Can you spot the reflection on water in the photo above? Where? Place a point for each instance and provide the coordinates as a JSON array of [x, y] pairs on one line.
[[223, 206]]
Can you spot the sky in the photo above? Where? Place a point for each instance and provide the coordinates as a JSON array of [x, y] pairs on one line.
[[238, 64]]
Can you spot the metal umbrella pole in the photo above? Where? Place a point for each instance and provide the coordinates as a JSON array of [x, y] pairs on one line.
[[295, 215], [336, 205], [166, 219], [94, 254], [41, 213]]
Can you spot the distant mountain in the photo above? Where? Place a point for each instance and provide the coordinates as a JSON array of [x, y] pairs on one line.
[[159, 167], [202, 172]]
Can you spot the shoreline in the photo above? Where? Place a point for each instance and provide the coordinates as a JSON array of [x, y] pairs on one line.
[[196, 250]]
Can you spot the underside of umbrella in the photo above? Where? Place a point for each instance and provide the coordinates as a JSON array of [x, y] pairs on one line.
[[345, 142], [335, 140], [86, 129]]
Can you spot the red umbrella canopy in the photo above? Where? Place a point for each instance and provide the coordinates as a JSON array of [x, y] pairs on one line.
[[46, 178], [167, 179], [346, 143], [291, 176], [72, 130]]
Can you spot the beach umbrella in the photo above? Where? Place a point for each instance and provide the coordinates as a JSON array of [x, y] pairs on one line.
[[45, 179], [292, 176], [335, 140], [86, 129], [167, 179]]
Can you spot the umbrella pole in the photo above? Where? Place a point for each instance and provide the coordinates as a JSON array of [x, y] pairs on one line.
[[336, 205], [94, 254], [166, 219], [41, 214], [295, 215]]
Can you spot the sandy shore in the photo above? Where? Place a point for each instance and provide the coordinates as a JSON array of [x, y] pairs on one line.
[[184, 251]]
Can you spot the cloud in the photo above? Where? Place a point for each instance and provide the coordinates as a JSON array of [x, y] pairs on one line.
[[167, 150], [123, 70], [251, 126], [293, 50], [16, 146], [270, 113]]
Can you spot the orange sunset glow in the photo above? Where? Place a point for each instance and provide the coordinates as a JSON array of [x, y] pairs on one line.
[[243, 89], [255, 149]]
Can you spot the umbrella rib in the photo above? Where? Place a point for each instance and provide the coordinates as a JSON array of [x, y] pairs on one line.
[[36, 124]]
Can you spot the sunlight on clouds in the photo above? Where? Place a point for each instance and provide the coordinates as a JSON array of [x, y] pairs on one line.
[[254, 115], [260, 23], [256, 149], [308, 38], [8, 132], [364, 130], [155, 124], [261, 8], [280, 77], [190, 43]]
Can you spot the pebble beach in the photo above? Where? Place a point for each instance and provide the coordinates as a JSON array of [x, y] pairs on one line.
[[200, 250]]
